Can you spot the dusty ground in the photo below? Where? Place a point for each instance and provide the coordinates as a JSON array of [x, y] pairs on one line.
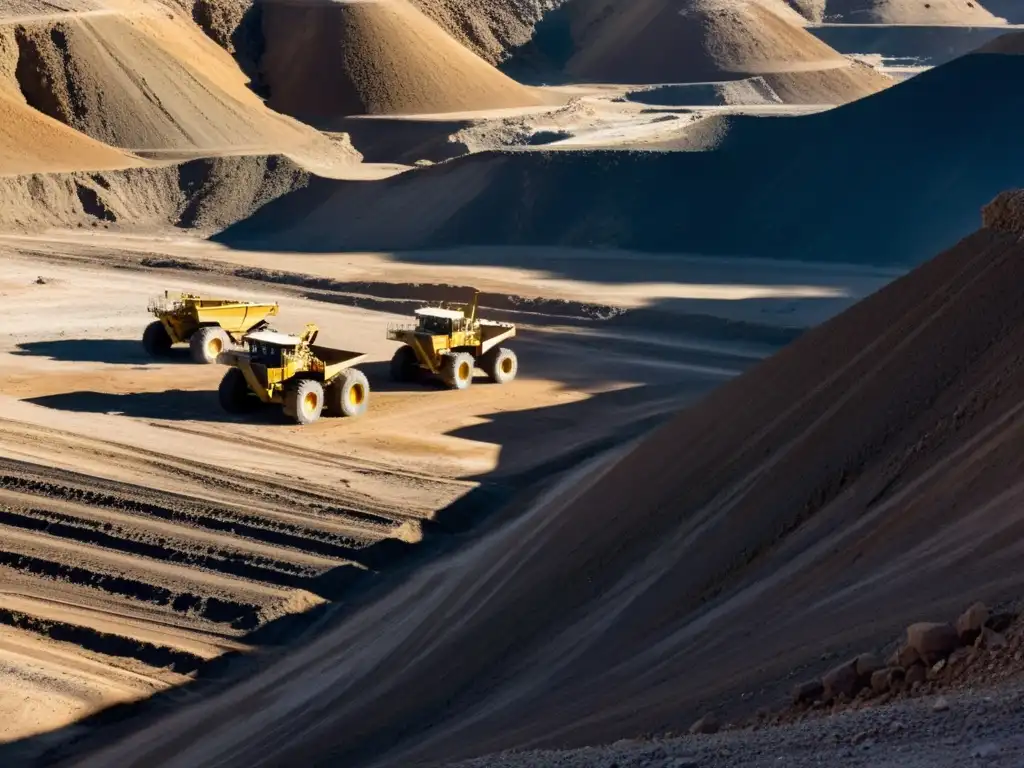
[[144, 531]]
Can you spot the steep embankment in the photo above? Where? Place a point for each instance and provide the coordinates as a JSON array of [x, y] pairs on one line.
[[889, 179], [331, 59], [206, 194], [146, 79], [953, 12], [657, 41], [33, 142], [866, 476]]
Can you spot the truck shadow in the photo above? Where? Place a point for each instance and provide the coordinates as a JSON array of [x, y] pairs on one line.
[[172, 404], [112, 351]]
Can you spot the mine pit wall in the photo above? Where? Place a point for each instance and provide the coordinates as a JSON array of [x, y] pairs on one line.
[[205, 195]]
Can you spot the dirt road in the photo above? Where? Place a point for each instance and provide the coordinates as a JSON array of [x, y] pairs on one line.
[[145, 532]]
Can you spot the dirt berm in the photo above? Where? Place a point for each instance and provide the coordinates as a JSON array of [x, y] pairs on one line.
[[890, 179], [205, 195], [333, 59], [866, 476], [146, 79], [953, 12]]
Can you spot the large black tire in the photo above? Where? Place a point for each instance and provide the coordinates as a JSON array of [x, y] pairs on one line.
[[155, 340], [349, 393], [404, 364], [234, 393], [501, 365], [207, 343], [305, 401], [457, 370]]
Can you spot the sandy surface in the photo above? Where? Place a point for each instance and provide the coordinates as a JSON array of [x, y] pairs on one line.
[[374, 57], [862, 478], [139, 542], [951, 12]]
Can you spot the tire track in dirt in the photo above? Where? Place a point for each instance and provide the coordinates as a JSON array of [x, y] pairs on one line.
[[157, 559]]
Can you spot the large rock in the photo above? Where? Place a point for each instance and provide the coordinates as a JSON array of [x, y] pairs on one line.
[[882, 680], [932, 641], [866, 665], [905, 656], [842, 680], [971, 622]]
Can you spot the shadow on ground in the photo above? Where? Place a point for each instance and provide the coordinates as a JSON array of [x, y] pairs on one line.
[[114, 351], [537, 448], [172, 405]]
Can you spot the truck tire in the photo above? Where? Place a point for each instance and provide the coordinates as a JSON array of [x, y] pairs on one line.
[[155, 340], [208, 342], [501, 365], [404, 364], [457, 370], [349, 393], [306, 401], [234, 393]]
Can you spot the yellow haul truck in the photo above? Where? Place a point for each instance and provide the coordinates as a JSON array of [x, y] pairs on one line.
[[208, 325], [295, 372], [451, 344]]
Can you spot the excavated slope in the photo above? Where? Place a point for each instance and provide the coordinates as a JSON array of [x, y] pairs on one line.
[[206, 195], [146, 79], [868, 474], [882, 180], [33, 142], [328, 59], [955, 12], [674, 41]]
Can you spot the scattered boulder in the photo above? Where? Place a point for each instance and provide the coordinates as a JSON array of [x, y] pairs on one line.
[[932, 640], [842, 680], [808, 692], [916, 674], [940, 705], [971, 622], [958, 657], [905, 656], [866, 665], [707, 724], [882, 680]]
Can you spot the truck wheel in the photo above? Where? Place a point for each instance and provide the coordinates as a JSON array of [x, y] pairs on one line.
[[234, 393], [501, 365], [457, 370], [155, 340], [349, 393], [404, 364], [307, 401], [208, 342]]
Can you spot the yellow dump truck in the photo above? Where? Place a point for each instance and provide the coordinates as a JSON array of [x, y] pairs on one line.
[[208, 325], [293, 371], [451, 344]]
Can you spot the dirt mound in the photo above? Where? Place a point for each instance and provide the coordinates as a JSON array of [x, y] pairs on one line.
[[878, 181], [34, 143], [956, 12], [332, 59], [30, 141], [866, 475], [656, 41], [206, 194], [149, 81], [490, 29]]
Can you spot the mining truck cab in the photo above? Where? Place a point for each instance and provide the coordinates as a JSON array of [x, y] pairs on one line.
[[294, 372]]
